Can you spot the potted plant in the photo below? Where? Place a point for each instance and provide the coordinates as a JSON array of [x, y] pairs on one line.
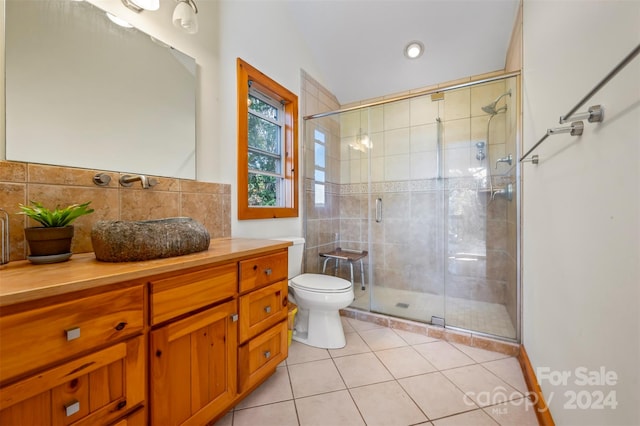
[[51, 242]]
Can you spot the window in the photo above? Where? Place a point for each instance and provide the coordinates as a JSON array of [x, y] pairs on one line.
[[319, 166], [267, 147]]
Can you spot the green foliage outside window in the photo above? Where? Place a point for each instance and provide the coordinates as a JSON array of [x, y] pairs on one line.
[[264, 153], [262, 190]]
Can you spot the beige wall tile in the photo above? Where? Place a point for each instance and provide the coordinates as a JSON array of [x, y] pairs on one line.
[[139, 204], [207, 202], [457, 104], [424, 110], [11, 194], [11, 171], [56, 175]]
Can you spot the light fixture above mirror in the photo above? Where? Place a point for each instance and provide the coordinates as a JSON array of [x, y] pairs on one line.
[[184, 16]]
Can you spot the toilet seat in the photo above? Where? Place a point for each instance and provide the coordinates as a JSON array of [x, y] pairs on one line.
[[319, 283]]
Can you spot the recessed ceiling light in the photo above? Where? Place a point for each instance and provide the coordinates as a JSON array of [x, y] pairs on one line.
[[413, 49]]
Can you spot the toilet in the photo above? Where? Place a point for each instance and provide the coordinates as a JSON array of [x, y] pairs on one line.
[[319, 298]]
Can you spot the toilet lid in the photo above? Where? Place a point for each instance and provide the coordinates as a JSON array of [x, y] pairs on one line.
[[320, 283]]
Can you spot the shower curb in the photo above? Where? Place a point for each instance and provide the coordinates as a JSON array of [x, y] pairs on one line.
[[454, 336]]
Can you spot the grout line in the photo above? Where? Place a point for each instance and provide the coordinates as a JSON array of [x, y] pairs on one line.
[[333, 358], [501, 378]]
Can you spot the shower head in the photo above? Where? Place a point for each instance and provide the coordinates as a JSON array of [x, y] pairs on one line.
[[491, 108]]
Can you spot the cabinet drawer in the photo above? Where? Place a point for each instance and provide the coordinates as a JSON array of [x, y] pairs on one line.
[[263, 270], [259, 357], [262, 308], [93, 389], [181, 294], [32, 339]]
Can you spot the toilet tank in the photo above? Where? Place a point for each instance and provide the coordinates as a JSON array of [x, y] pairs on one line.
[[296, 252]]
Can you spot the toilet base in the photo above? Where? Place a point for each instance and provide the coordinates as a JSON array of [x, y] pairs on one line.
[[324, 329]]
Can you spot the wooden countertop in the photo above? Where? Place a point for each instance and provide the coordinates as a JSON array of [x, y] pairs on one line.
[[21, 281]]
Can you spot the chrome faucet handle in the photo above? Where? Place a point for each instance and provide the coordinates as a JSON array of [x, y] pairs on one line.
[[127, 180], [508, 159]]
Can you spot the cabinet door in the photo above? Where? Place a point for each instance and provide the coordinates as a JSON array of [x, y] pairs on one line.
[[90, 390], [194, 367]]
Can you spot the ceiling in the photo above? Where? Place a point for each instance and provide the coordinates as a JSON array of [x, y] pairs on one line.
[[358, 44]]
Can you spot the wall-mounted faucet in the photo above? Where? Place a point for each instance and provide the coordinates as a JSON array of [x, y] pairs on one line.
[[508, 159], [127, 180], [506, 192]]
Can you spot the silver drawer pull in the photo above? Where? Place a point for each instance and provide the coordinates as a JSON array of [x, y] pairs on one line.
[[234, 318], [267, 271], [72, 408], [72, 333], [267, 354], [267, 309]]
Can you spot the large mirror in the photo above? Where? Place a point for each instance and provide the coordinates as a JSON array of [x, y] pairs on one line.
[[82, 91]]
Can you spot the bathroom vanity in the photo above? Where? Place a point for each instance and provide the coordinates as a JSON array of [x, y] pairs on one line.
[[160, 342]]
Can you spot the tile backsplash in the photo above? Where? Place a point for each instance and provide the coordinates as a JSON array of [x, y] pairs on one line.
[[208, 203]]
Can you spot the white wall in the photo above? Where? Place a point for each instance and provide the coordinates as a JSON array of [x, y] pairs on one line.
[[261, 33], [581, 230]]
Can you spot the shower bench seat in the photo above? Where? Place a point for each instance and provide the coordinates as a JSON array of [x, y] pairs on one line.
[[345, 254]]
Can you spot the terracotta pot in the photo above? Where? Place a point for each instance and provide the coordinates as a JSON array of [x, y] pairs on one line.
[[49, 241]]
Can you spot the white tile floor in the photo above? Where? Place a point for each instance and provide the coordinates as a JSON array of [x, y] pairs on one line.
[[388, 377], [491, 318]]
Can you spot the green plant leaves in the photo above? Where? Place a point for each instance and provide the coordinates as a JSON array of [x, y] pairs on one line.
[[56, 218]]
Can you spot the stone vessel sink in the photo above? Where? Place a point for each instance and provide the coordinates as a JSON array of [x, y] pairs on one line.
[[128, 241]]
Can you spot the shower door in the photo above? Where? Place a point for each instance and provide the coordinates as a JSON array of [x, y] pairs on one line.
[[426, 187], [442, 207], [481, 219], [392, 205]]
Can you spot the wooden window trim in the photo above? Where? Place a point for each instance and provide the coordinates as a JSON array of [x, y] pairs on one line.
[[269, 87]]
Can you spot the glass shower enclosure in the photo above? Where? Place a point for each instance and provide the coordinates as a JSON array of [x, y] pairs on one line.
[[427, 187]]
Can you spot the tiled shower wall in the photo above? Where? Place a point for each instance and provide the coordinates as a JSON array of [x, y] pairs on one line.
[[208, 203], [321, 173], [434, 219]]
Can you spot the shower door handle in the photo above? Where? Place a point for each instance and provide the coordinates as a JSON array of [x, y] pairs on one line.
[[378, 210]]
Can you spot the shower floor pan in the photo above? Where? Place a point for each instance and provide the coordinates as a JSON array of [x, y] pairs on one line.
[[485, 317]]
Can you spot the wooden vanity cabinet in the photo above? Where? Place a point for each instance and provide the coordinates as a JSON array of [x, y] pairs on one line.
[[79, 362], [209, 344], [159, 347]]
